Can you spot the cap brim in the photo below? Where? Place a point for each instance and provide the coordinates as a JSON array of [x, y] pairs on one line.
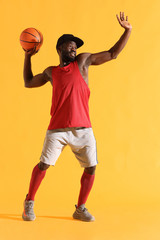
[[77, 40]]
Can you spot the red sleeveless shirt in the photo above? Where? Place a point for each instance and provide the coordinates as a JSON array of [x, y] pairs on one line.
[[70, 98]]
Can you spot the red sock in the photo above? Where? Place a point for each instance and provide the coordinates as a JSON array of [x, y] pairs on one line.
[[86, 185], [37, 177]]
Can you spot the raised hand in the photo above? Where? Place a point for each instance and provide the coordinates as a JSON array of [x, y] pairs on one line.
[[123, 22], [31, 52]]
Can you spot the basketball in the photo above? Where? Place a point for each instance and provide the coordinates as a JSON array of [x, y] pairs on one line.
[[31, 38]]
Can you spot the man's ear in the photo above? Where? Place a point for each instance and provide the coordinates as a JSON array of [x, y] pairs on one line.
[[59, 49]]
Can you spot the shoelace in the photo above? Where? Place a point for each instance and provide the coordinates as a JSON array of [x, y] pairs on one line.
[[85, 210]]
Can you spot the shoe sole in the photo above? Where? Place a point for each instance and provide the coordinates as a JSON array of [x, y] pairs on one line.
[[27, 219], [84, 220]]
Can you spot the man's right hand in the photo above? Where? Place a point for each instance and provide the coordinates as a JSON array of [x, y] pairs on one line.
[[30, 52]]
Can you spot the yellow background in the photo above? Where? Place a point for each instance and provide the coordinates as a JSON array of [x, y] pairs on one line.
[[124, 111]]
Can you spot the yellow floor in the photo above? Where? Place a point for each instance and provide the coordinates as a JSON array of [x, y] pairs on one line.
[[113, 222]]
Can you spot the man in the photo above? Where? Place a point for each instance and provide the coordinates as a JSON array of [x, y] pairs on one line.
[[70, 123]]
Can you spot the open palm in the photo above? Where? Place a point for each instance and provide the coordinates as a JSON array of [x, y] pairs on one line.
[[123, 22]]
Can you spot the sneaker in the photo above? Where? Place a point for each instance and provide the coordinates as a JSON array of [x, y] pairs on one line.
[[28, 213], [82, 214]]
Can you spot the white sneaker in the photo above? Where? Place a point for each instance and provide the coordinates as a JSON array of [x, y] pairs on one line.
[[82, 214], [28, 213]]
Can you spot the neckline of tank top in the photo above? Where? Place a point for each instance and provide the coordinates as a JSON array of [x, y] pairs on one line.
[[65, 67]]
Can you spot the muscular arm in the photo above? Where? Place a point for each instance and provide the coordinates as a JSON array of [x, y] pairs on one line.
[[38, 80], [102, 57]]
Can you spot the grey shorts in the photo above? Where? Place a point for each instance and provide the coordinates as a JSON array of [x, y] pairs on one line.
[[81, 141]]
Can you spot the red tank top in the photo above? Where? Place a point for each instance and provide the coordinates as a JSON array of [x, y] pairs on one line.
[[70, 98]]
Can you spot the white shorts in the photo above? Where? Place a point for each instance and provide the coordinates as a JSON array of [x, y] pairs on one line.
[[81, 141]]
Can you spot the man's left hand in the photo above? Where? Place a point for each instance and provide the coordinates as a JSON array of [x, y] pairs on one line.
[[123, 21]]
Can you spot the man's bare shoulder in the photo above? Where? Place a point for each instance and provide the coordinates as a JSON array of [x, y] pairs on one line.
[[82, 58], [48, 70], [48, 73]]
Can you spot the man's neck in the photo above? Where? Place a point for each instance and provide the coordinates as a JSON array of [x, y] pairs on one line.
[[63, 64]]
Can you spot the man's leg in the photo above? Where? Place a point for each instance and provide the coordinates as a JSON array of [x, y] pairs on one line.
[[87, 180], [83, 145], [38, 174], [54, 143]]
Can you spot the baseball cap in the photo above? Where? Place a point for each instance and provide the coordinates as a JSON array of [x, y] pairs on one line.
[[69, 37]]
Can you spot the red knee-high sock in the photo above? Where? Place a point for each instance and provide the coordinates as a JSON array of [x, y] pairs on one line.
[[37, 177], [86, 185]]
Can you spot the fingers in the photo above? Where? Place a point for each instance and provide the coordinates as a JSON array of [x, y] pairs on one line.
[[122, 17], [118, 19], [31, 51]]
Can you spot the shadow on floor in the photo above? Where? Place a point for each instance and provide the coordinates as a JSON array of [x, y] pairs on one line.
[[18, 217]]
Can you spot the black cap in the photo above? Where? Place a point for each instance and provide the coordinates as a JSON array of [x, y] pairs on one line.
[[69, 37]]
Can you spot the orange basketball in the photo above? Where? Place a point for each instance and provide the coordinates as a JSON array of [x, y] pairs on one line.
[[30, 38]]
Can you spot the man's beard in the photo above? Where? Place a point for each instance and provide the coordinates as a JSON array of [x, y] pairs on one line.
[[66, 58]]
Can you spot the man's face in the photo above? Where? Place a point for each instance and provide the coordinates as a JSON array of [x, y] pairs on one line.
[[68, 51]]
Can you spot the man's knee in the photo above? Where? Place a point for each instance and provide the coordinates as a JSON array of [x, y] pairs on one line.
[[90, 170], [43, 166]]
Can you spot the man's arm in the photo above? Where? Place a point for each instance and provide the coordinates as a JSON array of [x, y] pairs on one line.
[[102, 57], [38, 80]]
